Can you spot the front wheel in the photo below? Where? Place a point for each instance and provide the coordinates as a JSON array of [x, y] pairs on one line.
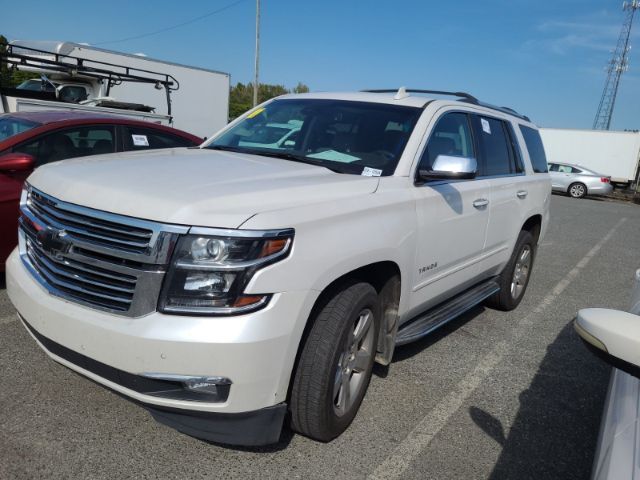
[[335, 364], [514, 279]]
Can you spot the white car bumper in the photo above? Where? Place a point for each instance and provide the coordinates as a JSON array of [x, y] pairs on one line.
[[255, 352]]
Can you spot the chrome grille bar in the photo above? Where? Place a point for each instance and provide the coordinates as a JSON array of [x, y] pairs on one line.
[[98, 259], [70, 218], [51, 276]]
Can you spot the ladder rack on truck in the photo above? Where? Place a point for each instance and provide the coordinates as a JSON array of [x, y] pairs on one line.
[[27, 58], [76, 76]]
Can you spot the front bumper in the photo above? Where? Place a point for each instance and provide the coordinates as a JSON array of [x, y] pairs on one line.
[[255, 352]]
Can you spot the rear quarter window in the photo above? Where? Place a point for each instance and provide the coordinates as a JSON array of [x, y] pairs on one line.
[[140, 138], [536, 149]]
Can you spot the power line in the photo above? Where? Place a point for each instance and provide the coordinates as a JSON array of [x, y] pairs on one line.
[[166, 29]]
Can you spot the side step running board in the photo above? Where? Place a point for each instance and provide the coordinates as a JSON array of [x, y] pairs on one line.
[[426, 323]]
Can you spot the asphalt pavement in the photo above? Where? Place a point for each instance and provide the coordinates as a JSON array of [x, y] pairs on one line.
[[491, 395]]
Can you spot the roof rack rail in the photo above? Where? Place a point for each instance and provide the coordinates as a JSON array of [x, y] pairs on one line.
[[508, 110], [464, 97], [468, 96]]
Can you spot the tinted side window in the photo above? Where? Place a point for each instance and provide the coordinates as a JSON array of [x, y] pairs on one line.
[[140, 138], [565, 169], [554, 167], [69, 143], [515, 148], [536, 149], [451, 136], [30, 147], [496, 147]]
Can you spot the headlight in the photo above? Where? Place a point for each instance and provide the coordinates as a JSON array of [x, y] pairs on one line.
[[208, 273]]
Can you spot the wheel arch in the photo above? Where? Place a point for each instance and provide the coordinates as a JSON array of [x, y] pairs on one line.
[[386, 278], [533, 225]]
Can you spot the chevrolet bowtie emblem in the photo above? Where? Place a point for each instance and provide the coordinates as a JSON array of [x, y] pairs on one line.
[[53, 241]]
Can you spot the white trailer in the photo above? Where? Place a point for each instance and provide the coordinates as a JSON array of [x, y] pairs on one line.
[[189, 98], [611, 153]]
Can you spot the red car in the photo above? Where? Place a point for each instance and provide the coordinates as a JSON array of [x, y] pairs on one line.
[[31, 139]]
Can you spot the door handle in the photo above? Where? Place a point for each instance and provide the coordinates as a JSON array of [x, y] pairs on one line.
[[522, 194], [481, 202]]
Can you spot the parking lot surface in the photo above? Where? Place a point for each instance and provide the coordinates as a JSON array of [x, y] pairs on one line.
[[491, 395]]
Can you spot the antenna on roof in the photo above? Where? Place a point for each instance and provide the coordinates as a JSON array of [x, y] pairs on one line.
[[402, 93]]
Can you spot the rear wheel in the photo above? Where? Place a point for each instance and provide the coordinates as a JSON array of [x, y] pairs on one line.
[[514, 279], [335, 365], [577, 190]]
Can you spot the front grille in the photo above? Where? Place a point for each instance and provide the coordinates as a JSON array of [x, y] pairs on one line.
[[117, 236], [83, 282], [105, 261]]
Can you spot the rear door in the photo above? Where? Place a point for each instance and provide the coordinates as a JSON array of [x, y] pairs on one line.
[[503, 167], [562, 176], [555, 176]]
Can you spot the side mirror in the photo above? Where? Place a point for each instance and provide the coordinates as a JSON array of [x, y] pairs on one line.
[[612, 335], [447, 167], [16, 162]]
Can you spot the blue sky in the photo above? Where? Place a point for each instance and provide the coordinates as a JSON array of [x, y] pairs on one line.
[[545, 59]]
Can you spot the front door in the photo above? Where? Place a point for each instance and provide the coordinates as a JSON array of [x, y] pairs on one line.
[[452, 218]]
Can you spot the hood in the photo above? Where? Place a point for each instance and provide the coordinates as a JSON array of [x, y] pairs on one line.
[[197, 187]]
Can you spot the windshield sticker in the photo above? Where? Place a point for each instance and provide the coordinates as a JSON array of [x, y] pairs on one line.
[[371, 172], [256, 113], [485, 126], [140, 140], [334, 156]]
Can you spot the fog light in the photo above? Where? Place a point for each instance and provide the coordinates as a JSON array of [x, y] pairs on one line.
[[205, 385]]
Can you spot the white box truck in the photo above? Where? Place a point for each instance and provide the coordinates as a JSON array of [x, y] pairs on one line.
[[612, 153], [81, 77]]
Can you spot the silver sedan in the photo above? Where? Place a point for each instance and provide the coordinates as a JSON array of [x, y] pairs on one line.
[[578, 181]]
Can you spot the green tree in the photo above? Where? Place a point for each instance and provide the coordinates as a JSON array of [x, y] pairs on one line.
[[241, 95], [301, 88], [11, 77]]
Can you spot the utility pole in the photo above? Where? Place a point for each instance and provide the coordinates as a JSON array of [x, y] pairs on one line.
[[618, 64], [255, 80]]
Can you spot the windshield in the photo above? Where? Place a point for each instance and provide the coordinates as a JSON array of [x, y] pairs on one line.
[[10, 126], [347, 137], [36, 86]]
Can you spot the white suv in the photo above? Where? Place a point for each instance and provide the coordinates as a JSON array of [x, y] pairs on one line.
[[227, 286]]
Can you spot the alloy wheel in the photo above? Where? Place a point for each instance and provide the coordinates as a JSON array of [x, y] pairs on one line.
[[350, 376]]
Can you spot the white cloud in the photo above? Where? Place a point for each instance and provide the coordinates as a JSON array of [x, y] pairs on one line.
[[597, 32]]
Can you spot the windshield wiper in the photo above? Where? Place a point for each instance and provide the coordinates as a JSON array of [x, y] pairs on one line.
[[275, 154], [226, 148], [297, 158]]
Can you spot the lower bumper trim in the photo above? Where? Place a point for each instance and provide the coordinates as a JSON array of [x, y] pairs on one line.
[[253, 428], [256, 428]]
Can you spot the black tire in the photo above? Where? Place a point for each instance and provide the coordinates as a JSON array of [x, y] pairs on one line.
[[323, 364], [577, 190], [512, 289]]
